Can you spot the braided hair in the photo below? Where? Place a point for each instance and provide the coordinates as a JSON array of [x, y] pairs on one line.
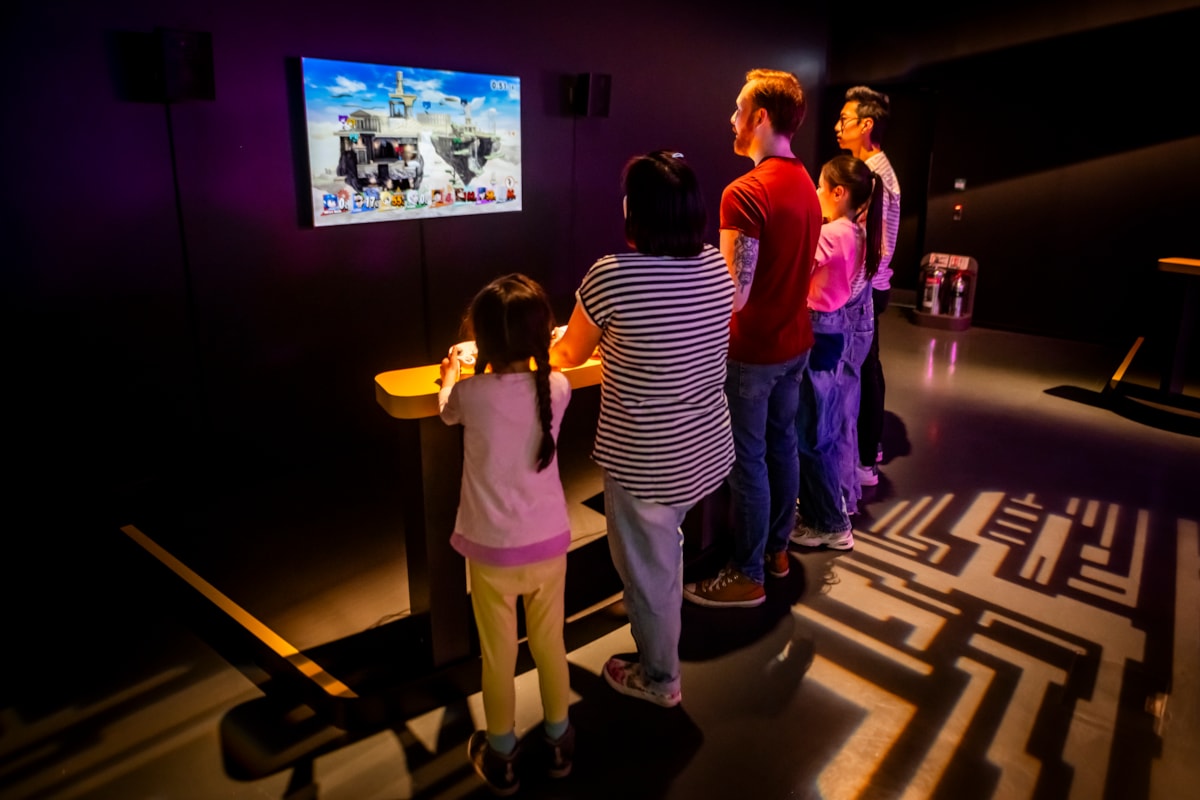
[[511, 320]]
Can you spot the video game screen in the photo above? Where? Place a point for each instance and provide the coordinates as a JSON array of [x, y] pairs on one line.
[[392, 143]]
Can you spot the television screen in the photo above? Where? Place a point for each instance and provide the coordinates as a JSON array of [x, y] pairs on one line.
[[392, 143]]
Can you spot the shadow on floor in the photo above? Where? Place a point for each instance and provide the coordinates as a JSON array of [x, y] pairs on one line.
[[1140, 404]]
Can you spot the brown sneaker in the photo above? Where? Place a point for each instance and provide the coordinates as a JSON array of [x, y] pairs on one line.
[[779, 564], [729, 589], [497, 771], [561, 752]]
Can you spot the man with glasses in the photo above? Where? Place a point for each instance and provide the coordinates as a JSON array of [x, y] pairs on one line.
[[770, 224], [860, 129]]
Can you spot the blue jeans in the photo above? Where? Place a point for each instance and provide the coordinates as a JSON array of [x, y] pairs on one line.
[[819, 426], [765, 477], [646, 544], [860, 330]]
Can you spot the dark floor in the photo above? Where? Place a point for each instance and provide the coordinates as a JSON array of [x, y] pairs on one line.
[[1017, 620]]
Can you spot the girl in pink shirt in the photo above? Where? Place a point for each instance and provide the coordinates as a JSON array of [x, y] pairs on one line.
[[839, 303], [512, 523]]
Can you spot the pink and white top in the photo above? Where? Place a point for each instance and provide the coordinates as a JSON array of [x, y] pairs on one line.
[[508, 512], [839, 269]]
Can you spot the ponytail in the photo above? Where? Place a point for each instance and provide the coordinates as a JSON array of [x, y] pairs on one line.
[[866, 199], [541, 379]]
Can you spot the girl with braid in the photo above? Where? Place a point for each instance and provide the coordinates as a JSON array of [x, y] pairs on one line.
[[512, 524]]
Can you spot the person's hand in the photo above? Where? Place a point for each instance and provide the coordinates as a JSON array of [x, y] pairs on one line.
[[451, 369], [556, 335]]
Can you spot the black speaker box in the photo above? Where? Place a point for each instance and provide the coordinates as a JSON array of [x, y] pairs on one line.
[[590, 95], [186, 61]]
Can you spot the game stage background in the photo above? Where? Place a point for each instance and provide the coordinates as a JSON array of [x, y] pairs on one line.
[[392, 143]]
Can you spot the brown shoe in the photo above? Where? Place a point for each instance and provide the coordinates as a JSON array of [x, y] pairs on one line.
[[729, 589], [779, 564], [561, 752], [497, 771]]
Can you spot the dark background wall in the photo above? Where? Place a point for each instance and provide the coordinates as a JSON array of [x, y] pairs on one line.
[[164, 320], [1067, 122], [169, 307]]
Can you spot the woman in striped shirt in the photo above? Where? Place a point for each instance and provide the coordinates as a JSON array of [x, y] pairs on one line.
[[660, 315]]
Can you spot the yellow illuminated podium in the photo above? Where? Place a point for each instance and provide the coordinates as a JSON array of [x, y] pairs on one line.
[[412, 393], [1173, 403]]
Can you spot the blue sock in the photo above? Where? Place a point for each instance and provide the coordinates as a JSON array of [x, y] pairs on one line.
[[554, 730], [503, 744]]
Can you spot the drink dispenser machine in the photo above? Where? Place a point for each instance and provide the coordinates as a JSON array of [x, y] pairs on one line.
[[946, 294]]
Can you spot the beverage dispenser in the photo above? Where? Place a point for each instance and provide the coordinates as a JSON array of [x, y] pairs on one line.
[[947, 291]]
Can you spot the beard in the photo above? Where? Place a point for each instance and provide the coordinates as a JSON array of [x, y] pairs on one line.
[[741, 141]]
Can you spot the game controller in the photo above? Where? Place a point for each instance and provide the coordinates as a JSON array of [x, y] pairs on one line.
[[466, 353]]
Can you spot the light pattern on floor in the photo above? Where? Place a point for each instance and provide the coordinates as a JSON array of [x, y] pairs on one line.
[[1019, 626]]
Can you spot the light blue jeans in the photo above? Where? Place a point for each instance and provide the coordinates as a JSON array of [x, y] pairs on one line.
[[819, 426], [646, 544], [859, 316], [765, 479]]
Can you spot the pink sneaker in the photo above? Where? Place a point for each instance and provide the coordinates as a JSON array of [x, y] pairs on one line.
[[627, 678]]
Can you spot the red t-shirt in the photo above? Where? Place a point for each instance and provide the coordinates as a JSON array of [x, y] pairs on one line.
[[775, 203]]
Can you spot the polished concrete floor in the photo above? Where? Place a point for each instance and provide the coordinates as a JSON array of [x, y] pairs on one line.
[[1018, 619]]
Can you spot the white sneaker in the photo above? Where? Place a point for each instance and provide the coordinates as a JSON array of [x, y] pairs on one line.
[[868, 476], [809, 537]]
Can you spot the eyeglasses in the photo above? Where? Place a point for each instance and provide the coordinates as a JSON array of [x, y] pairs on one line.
[[842, 122]]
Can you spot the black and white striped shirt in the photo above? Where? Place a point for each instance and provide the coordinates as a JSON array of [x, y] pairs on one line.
[[880, 165], [664, 429]]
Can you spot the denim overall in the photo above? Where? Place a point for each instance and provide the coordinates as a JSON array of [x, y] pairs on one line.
[[826, 422]]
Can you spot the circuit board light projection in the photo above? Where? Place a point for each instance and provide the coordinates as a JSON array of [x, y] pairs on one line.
[[392, 143]]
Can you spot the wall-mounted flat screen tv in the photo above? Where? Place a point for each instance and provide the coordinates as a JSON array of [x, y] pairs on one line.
[[393, 143]]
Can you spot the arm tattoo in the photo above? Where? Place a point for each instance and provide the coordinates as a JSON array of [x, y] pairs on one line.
[[745, 259]]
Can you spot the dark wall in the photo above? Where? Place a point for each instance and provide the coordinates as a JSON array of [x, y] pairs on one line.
[[1067, 123], [169, 303]]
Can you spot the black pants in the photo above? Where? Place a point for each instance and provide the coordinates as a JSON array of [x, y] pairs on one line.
[[870, 408]]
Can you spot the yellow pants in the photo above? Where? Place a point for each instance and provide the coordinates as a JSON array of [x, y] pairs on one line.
[[494, 593]]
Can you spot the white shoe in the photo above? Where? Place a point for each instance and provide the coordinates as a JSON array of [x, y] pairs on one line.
[[808, 537]]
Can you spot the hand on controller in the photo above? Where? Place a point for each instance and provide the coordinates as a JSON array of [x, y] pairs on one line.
[[451, 369], [466, 352]]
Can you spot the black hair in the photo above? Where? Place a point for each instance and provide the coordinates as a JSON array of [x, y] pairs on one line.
[[778, 93], [510, 320], [866, 193], [664, 208], [872, 105]]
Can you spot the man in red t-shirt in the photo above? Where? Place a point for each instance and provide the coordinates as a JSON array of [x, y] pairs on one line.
[[770, 224]]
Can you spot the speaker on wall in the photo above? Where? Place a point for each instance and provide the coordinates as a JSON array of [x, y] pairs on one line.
[[186, 61], [590, 95]]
